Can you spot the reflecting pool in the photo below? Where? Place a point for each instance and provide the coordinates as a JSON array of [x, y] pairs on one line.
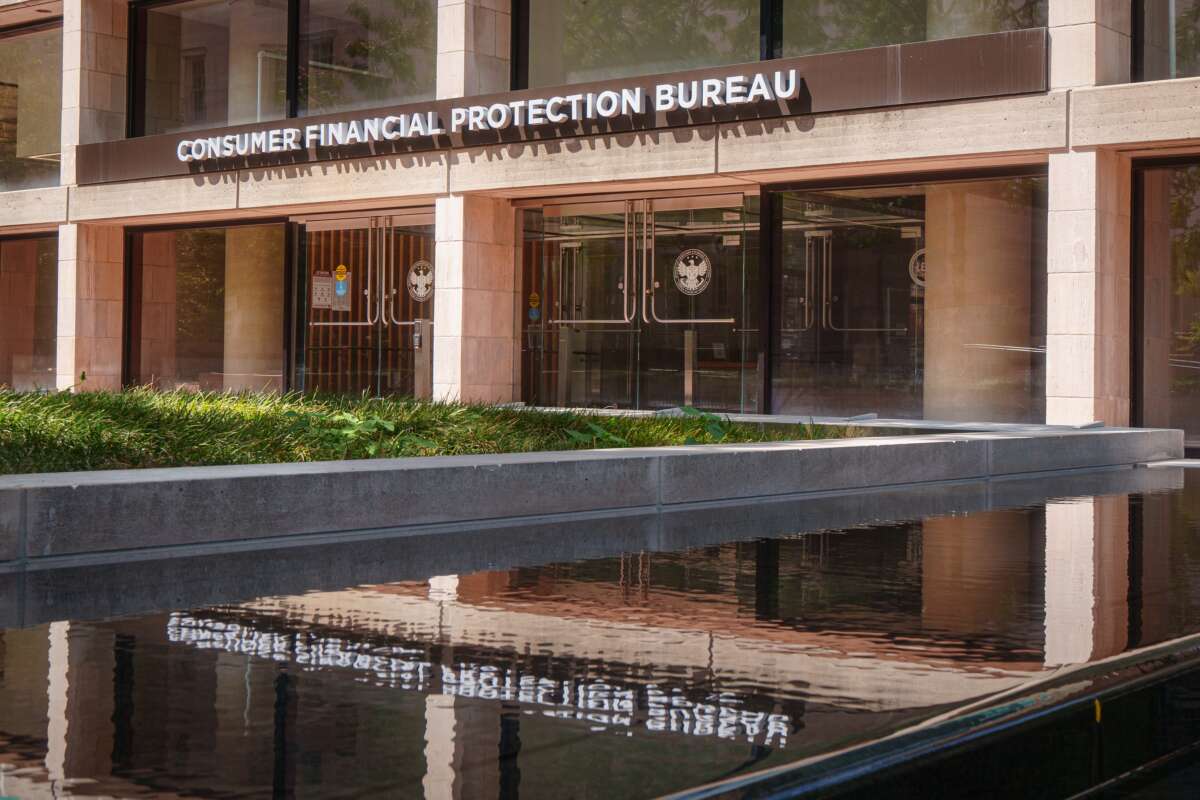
[[632, 672]]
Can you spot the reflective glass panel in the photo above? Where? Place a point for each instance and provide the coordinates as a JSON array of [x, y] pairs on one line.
[[30, 109], [1169, 395], [28, 313], [861, 327], [572, 41], [210, 308], [366, 53], [210, 63], [822, 26], [1169, 39]]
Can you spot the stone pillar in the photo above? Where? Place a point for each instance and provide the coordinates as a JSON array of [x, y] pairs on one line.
[[473, 50], [1087, 580], [1090, 42], [90, 301], [95, 34], [978, 300], [253, 309], [475, 332], [1087, 329]]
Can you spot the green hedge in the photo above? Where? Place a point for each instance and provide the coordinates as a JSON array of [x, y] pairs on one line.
[[144, 428]]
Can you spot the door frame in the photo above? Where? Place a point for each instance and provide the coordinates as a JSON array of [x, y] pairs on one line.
[[296, 316]]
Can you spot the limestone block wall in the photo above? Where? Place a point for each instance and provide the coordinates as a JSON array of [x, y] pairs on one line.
[[158, 314], [473, 47], [475, 333], [90, 303], [95, 45]]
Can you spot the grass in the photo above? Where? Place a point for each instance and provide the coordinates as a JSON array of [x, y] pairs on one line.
[[143, 428]]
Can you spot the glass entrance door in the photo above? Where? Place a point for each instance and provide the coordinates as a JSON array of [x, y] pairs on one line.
[[367, 318], [648, 304]]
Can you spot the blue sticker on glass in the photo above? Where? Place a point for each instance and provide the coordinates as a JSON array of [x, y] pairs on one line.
[[340, 287], [535, 314]]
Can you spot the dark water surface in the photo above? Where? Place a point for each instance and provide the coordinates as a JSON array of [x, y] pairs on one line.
[[639, 668]]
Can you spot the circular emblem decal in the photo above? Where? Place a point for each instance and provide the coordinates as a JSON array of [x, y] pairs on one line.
[[916, 267], [420, 280], [693, 272]]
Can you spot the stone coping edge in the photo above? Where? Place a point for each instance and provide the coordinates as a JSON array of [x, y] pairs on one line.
[[59, 514]]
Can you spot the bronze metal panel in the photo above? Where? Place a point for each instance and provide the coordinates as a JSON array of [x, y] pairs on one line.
[[922, 72], [973, 66]]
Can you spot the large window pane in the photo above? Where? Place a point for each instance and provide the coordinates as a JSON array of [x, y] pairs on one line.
[[366, 53], [861, 326], [30, 109], [28, 313], [1170, 39], [1169, 396], [210, 63], [210, 313], [572, 41], [821, 26]]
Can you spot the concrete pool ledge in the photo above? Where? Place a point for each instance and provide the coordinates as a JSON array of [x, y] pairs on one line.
[[60, 514]]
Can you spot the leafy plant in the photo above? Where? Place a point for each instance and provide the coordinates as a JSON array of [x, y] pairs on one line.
[[595, 436], [717, 428]]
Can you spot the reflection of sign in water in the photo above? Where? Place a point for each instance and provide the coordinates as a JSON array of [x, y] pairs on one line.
[[420, 280], [916, 267], [341, 288], [322, 290], [604, 706], [693, 271]]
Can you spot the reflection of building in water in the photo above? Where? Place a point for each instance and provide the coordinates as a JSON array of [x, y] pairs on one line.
[[776, 649]]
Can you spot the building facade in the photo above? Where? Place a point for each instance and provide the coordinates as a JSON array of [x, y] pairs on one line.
[[728, 204]]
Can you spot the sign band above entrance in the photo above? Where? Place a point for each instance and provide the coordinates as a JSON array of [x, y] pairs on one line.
[[760, 87]]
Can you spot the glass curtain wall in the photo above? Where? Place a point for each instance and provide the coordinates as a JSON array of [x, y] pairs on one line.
[[861, 327], [1167, 39], [28, 313], [207, 308], [30, 108], [571, 41], [1168, 291], [356, 54], [210, 63], [822, 26]]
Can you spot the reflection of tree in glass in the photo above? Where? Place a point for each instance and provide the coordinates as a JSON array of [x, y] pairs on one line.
[[661, 35], [1187, 40], [1185, 258], [818, 26], [380, 51], [200, 296]]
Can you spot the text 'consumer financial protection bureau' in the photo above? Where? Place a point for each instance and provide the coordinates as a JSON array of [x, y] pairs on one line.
[[609, 104]]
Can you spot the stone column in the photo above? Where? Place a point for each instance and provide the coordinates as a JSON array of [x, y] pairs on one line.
[[1090, 42], [1087, 581], [90, 257], [90, 301], [475, 282], [978, 301], [95, 45], [1087, 330], [473, 48], [253, 309]]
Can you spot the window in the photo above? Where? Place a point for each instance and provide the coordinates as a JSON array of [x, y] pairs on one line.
[[822, 26], [366, 54], [210, 63], [30, 107], [1166, 39], [569, 41], [28, 313], [207, 308], [1167, 299], [861, 326]]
